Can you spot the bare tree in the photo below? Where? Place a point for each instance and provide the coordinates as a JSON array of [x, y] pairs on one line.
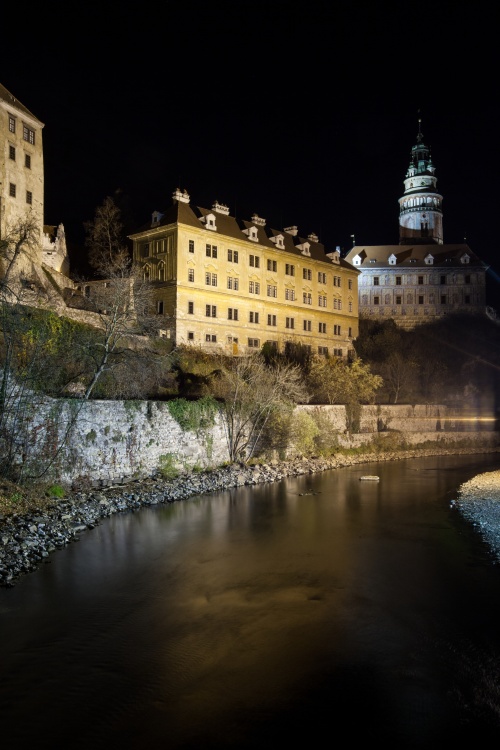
[[20, 243], [104, 239], [122, 300], [248, 390]]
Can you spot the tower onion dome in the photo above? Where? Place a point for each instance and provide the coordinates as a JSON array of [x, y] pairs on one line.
[[420, 216]]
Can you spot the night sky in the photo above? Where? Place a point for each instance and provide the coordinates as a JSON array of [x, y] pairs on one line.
[[304, 114]]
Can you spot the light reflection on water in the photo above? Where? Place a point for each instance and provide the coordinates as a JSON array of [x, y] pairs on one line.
[[264, 616]]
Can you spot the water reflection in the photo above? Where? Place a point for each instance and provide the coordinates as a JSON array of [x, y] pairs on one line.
[[264, 616]]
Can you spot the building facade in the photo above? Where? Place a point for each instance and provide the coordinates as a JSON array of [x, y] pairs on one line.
[[22, 185], [421, 278], [223, 283]]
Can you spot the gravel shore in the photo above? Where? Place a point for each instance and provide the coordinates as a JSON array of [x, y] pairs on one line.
[[28, 539], [479, 502]]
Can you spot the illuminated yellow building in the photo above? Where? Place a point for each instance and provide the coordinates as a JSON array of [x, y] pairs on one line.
[[225, 283]]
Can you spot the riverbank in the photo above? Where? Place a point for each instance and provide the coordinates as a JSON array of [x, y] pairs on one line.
[[30, 534], [479, 502]]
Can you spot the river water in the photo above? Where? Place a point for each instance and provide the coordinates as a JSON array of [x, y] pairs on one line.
[[317, 609]]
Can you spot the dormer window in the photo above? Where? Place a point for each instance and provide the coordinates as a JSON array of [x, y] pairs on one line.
[[356, 261], [279, 241], [209, 221], [392, 260], [429, 260], [334, 257], [252, 234], [304, 248], [156, 217], [465, 258]]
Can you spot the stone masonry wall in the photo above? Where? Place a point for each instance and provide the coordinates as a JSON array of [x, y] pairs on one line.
[[114, 441]]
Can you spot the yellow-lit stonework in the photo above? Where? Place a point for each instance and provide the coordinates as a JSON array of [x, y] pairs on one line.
[[224, 283]]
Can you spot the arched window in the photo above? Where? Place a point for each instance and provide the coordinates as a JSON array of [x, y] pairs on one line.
[[161, 271]]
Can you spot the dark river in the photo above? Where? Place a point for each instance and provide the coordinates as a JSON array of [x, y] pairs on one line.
[[320, 609]]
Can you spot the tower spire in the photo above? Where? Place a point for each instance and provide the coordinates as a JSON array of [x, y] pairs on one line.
[[420, 213]]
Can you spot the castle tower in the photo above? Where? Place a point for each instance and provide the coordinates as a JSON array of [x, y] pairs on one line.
[[420, 213]]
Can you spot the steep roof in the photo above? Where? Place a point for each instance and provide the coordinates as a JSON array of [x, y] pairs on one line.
[[9, 98], [377, 256], [229, 226]]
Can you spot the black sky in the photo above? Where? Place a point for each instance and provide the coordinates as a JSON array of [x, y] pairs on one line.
[[304, 114]]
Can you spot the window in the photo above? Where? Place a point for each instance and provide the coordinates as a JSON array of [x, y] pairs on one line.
[[350, 306], [376, 300], [307, 274], [467, 299], [350, 332], [420, 280], [289, 269], [290, 294], [28, 134], [271, 320], [375, 281], [191, 308], [211, 251], [322, 300], [191, 246], [27, 161], [232, 313], [420, 299], [211, 338], [255, 261], [232, 256], [442, 279], [12, 190], [272, 291], [337, 352], [253, 343], [210, 278], [211, 311], [337, 281], [253, 317], [398, 280], [12, 124], [322, 277], [12, 153], [159, 307], [398, 300], [254, 287], [337, 304], [323, 350], [290, 323], [233, 283], [190, 336], [336, 330], [307, 298], [145, 250], [349, 283], [467, 279], [322, 327], [272, 265], [190, 274], [443, 299], [29, 197], [307, 325]]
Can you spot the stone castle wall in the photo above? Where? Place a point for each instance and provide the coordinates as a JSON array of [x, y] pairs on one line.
[[113, 441]]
